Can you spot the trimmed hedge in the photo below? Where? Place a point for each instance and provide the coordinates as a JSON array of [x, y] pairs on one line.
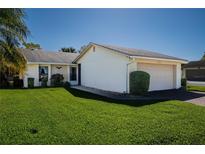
[[139, 82]]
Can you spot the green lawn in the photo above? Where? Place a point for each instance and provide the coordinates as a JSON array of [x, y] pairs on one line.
[[196, 88], [58, 116]]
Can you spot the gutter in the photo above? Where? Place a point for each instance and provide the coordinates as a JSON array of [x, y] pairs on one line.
[[152, 58], [127, 66], [49, 63]]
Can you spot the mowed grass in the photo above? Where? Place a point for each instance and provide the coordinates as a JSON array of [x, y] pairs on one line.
[[196, 88], [58, 116]]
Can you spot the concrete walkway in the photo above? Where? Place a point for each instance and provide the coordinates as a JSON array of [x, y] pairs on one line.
[[194, 97]]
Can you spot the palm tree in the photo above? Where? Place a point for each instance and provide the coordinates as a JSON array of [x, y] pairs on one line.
[[70, 49], [13, 32], [32, 45], [203, 57]]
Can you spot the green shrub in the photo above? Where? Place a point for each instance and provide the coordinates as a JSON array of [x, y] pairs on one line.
[[30, 82], [44, 82], [4, 84], [139, 82], [57, 80], [184, 82]]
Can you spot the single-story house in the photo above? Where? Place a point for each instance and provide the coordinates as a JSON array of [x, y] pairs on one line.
[[107, 67], [41, 64], [194, 71]]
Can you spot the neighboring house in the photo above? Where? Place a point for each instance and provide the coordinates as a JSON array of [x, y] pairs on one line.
[[42, 64], [194, 71], [108, 67]]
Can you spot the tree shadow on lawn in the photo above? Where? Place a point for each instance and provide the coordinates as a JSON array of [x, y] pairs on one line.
[[87, 95], [165, 95]]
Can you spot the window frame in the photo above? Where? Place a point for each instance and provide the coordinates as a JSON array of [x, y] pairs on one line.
[[46, 72], [73, 74]]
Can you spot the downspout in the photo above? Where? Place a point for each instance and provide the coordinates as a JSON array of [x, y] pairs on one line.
[[127, 73]]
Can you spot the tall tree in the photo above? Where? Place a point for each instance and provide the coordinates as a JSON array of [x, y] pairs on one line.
[[70, 49], [203, 57], [32, 45], [13, 32]]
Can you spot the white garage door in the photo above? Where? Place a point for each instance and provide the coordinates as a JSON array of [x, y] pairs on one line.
[[161, 76]]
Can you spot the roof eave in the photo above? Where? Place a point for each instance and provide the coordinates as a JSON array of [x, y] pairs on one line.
[[128, 55], [82, 53], [155, 58], [50, 63]]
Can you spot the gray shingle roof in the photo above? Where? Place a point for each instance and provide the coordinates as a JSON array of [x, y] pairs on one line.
[[200, 63], [38, 55], [137, 52]]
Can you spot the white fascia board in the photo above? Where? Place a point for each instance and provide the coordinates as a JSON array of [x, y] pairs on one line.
[[82, 53], [151, 58], [194, 68], [49, 63]]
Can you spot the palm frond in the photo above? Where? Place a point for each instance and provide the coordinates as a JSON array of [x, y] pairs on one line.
[[13, 32]]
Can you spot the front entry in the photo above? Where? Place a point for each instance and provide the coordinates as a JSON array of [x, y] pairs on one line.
[[79, 74]]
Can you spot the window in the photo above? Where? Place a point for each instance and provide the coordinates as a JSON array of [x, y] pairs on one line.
[[43, 72], [73, 73]]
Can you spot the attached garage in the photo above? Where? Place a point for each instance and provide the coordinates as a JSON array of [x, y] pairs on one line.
[[108, 67], [161, 76]]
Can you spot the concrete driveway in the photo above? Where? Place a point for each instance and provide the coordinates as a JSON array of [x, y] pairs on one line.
[[199, 100], [191, 97]]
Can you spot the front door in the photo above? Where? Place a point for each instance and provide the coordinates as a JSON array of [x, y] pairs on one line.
[[79, 74]]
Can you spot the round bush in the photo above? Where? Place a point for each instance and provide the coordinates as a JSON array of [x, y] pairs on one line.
[[139, 82], [57, 80]]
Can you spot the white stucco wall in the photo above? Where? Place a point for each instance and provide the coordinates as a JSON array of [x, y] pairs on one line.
[[60, 69], [107, 70], [32, 71], [65, 70], [104, 70]]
